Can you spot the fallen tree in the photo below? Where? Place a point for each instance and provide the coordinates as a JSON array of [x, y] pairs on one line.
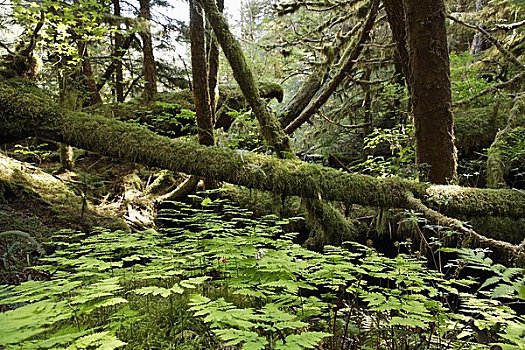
[[27, 111]]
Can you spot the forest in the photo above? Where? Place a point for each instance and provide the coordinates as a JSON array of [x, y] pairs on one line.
[[251, 174]]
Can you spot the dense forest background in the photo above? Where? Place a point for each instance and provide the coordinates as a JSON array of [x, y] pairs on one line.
[[325, 174]]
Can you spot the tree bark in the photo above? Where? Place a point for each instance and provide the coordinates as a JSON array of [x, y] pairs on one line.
[[200, 75], [121, 47], [396, 19], [431, 94], [498, 164], [118, 53], [477, 42], [93, 96], [150, 71], [213, 65], [304, 96]]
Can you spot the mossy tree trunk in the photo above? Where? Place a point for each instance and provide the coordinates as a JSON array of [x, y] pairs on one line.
[[396, 19], [118, 53], [213, 64], [199, 70], [430, 89], [270, 128], [304, 95], [27, 111], [93, 96], [200, 84], [348, 62]]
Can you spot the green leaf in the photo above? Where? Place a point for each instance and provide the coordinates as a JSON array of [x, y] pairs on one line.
[[206, 201], [249, 339], [153, 290], [101, 340], [503, 291], [407, 322], [305, 340]]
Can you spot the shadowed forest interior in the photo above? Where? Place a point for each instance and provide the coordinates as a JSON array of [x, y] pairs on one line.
[[250, 174]]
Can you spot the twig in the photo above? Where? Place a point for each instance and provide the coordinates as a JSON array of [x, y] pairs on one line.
[[356, 126], [339, 163], [353, 54], [510, 26], [6, 48]]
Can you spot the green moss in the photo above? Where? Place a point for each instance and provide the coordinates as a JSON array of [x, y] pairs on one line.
[[475, 128], [501, 228], [41, 117], [508, 147]]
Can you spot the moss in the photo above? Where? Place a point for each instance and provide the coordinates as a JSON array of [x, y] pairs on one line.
[[327, 224], [263, 203], [501, 228], [507, 143], [475, 128], [41, 117], [455, 200], [271, 90]]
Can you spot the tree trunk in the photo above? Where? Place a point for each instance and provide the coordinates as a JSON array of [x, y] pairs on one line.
[[349, 62], [150, 71], [431, 95], [304, 96], [200, 75], [117, 57], [213, 65], [93, 96], [396, 19], [499, 164], [270, 127], [477, 43]]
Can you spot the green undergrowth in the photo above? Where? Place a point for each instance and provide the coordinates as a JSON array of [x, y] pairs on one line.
[[215, 277]]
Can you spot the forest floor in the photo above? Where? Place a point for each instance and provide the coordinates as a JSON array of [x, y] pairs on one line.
[[38, 199]]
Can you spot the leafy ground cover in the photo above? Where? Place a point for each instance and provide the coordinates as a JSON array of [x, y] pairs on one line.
[[215, 277]]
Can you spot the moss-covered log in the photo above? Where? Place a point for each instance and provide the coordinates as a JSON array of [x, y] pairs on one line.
[[27, 111]]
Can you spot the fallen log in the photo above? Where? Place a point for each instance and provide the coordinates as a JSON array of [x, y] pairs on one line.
[[27, 111]]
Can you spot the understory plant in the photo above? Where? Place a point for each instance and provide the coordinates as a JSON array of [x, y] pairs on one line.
[[215, 277]]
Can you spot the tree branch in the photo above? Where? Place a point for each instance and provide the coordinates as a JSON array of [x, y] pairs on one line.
[[490, 89], [509, 56], [514, 254], [314, 106]]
